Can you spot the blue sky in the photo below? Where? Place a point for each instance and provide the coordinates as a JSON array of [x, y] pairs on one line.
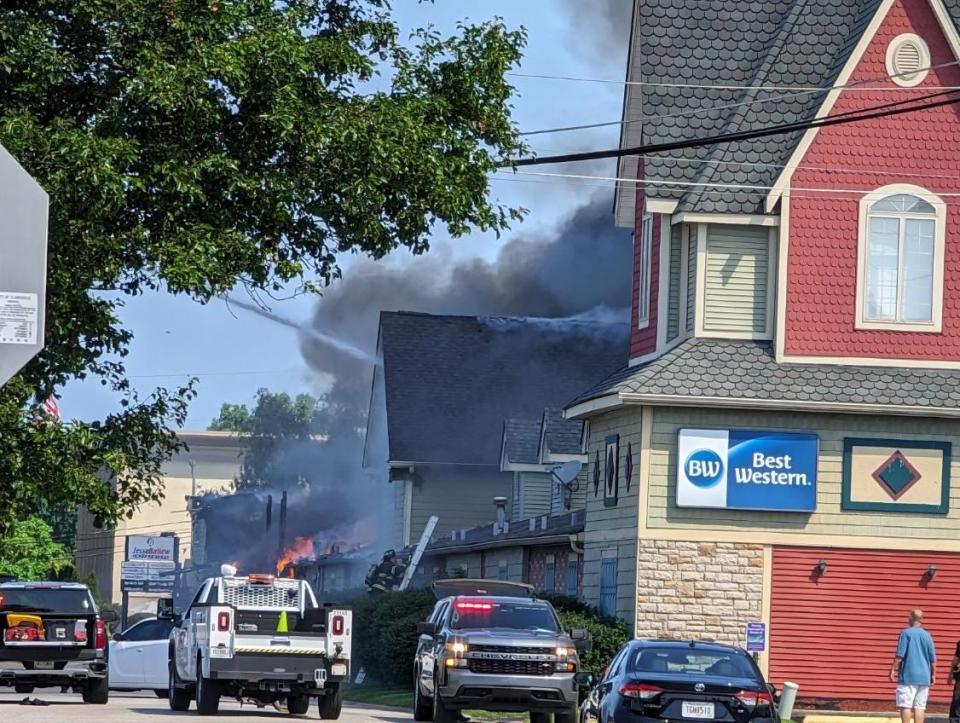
[[234, 353]]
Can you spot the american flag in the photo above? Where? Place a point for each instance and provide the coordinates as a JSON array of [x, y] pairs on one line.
[[51, 407]]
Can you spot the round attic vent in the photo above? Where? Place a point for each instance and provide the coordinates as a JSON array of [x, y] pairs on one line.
[[908, 60]]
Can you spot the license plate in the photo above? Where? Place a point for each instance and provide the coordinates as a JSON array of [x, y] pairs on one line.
[[43, 665], [339, 669], [219, 652], [699, 711]]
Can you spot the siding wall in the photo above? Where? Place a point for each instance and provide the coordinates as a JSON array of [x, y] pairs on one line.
[[613, 530], [534, 495], [461, 497], [674, 281], [829, 520], [644, 341], [736, 279], [691, 235]]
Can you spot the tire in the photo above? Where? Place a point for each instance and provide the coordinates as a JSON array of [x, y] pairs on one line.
[[539, 718], [208, 692], [161, 693], [298, 704], [422, 706], [96, 691], [441, 714], [23, 689], [570, 715], [331, 704], [178, 695]]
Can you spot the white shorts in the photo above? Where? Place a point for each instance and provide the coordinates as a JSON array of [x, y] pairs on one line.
[[912, 697]]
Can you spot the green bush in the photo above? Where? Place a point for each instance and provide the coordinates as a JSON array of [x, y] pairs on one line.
[[609, 633], [385, 633]]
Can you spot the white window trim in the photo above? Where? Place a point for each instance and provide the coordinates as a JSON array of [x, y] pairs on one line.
[[646, 271], [892, 50], [936, 325]]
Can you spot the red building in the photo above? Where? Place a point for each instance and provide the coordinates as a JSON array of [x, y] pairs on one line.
[[779, 446]]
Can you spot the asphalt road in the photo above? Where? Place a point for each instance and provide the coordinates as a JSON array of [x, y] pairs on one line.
[[67, 708]]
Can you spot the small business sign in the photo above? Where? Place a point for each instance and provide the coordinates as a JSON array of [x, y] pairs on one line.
[[151, 549], [756, 637], [140, 576], [747, 470]]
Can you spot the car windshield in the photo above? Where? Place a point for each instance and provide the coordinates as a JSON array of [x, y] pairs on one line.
[[520, 615], [721, 664], [46, 600]]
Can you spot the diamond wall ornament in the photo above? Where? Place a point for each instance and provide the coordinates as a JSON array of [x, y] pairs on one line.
[[596, 476], [896, 476], [628, 466]]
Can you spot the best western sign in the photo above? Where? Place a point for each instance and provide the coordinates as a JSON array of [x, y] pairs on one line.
[[743, 470]]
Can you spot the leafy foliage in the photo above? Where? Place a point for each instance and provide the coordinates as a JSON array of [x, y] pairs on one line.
[[197, 145], [29, 552], [385, 633]]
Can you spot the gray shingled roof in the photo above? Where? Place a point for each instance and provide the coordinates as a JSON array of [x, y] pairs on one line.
[[569, 523], [785, 43], [451, 381], [747, 371], [521, 440], [562, 436]]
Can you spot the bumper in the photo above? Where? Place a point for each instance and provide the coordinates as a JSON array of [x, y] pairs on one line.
[[302, 669], [73, 674], [623, 714], [463, 689]]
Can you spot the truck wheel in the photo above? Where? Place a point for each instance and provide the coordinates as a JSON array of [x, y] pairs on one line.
[[208, 693], [26, 689], [331, 704], [567, 716], [540, 717], [298, 704], [178, 695], [96, 690], [441, 714], [422, 706]]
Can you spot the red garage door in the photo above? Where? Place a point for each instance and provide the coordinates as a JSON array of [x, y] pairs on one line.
[[835, 634]]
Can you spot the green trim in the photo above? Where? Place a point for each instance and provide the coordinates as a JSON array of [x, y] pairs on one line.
[[847, 503]]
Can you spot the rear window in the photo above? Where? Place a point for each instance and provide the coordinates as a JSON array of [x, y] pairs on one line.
[[519, 615], [49, 600], [692, 662]]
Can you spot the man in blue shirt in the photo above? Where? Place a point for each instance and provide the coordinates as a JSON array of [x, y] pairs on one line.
[[913, 669]]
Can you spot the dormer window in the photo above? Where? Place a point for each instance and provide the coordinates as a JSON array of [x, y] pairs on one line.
[[901, 260]]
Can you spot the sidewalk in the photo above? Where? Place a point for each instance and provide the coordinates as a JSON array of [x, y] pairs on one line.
[[811, 716]]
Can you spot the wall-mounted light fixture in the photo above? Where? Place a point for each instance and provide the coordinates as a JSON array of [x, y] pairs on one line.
[[821, 568], [931, 572]]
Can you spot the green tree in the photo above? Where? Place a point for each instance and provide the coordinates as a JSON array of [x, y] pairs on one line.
[[195, 146], [29, 551]]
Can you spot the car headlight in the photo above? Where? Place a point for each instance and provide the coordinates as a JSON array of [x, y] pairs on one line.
[[457, 648], [563, 652]]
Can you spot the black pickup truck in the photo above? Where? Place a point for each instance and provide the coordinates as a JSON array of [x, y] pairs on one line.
[[52, 636]]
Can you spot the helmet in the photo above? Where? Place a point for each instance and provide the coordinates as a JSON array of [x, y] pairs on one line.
[[390, 553]]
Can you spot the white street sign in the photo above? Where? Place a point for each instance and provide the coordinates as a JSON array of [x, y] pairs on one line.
[[151, 549], [23, 266]]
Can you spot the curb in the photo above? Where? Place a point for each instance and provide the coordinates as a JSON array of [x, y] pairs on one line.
[[856, 718]]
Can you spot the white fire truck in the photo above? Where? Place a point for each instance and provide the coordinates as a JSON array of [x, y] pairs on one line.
[[259, 638]]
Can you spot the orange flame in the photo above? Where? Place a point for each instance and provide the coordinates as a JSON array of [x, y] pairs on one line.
[[302, 548]]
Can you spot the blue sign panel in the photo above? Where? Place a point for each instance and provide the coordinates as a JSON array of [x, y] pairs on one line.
[[745, 470], [756, 637]]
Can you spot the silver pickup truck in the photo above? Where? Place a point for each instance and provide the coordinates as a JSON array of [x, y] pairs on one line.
[[489, 645]]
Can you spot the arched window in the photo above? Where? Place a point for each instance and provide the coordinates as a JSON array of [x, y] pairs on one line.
[[901, 259]]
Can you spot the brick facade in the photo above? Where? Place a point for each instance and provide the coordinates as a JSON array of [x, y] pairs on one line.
[[696, 590], [562, 555]]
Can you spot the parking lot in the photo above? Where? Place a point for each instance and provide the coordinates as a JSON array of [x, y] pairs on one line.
[[67, 708]]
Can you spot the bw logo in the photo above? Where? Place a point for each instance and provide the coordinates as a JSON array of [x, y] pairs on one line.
[[704, 468]]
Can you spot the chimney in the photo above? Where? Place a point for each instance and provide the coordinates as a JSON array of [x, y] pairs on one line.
[[501, 504]]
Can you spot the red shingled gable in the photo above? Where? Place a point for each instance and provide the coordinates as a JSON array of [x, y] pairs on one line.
[[921, 149]]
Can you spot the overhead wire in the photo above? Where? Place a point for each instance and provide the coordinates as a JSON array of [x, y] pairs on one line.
[[861, 86], [854, 116]]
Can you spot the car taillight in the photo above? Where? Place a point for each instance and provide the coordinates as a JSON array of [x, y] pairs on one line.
[[223, 621], [21, 633], [337, 625], [640, 691], [753, 698], [100, 635]]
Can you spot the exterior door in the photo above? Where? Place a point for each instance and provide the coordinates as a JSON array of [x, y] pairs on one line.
[[126, 666], [834, 626], [155, 651]]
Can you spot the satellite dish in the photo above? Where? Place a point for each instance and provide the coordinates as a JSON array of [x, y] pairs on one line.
[[567, 472]]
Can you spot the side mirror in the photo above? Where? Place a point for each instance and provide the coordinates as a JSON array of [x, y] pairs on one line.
[[177, 618], [584, 680], [427, 629], [774, 692], [118, 637], [582, 640], [165, 609]]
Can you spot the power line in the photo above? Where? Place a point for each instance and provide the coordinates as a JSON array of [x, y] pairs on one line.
[[864, 114], [860, 85], [216, 374]]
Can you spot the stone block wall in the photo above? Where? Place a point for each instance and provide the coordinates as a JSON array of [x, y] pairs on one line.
[[696, 590]]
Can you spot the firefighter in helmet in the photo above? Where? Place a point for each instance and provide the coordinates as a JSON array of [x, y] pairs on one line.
[[387, 575]]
